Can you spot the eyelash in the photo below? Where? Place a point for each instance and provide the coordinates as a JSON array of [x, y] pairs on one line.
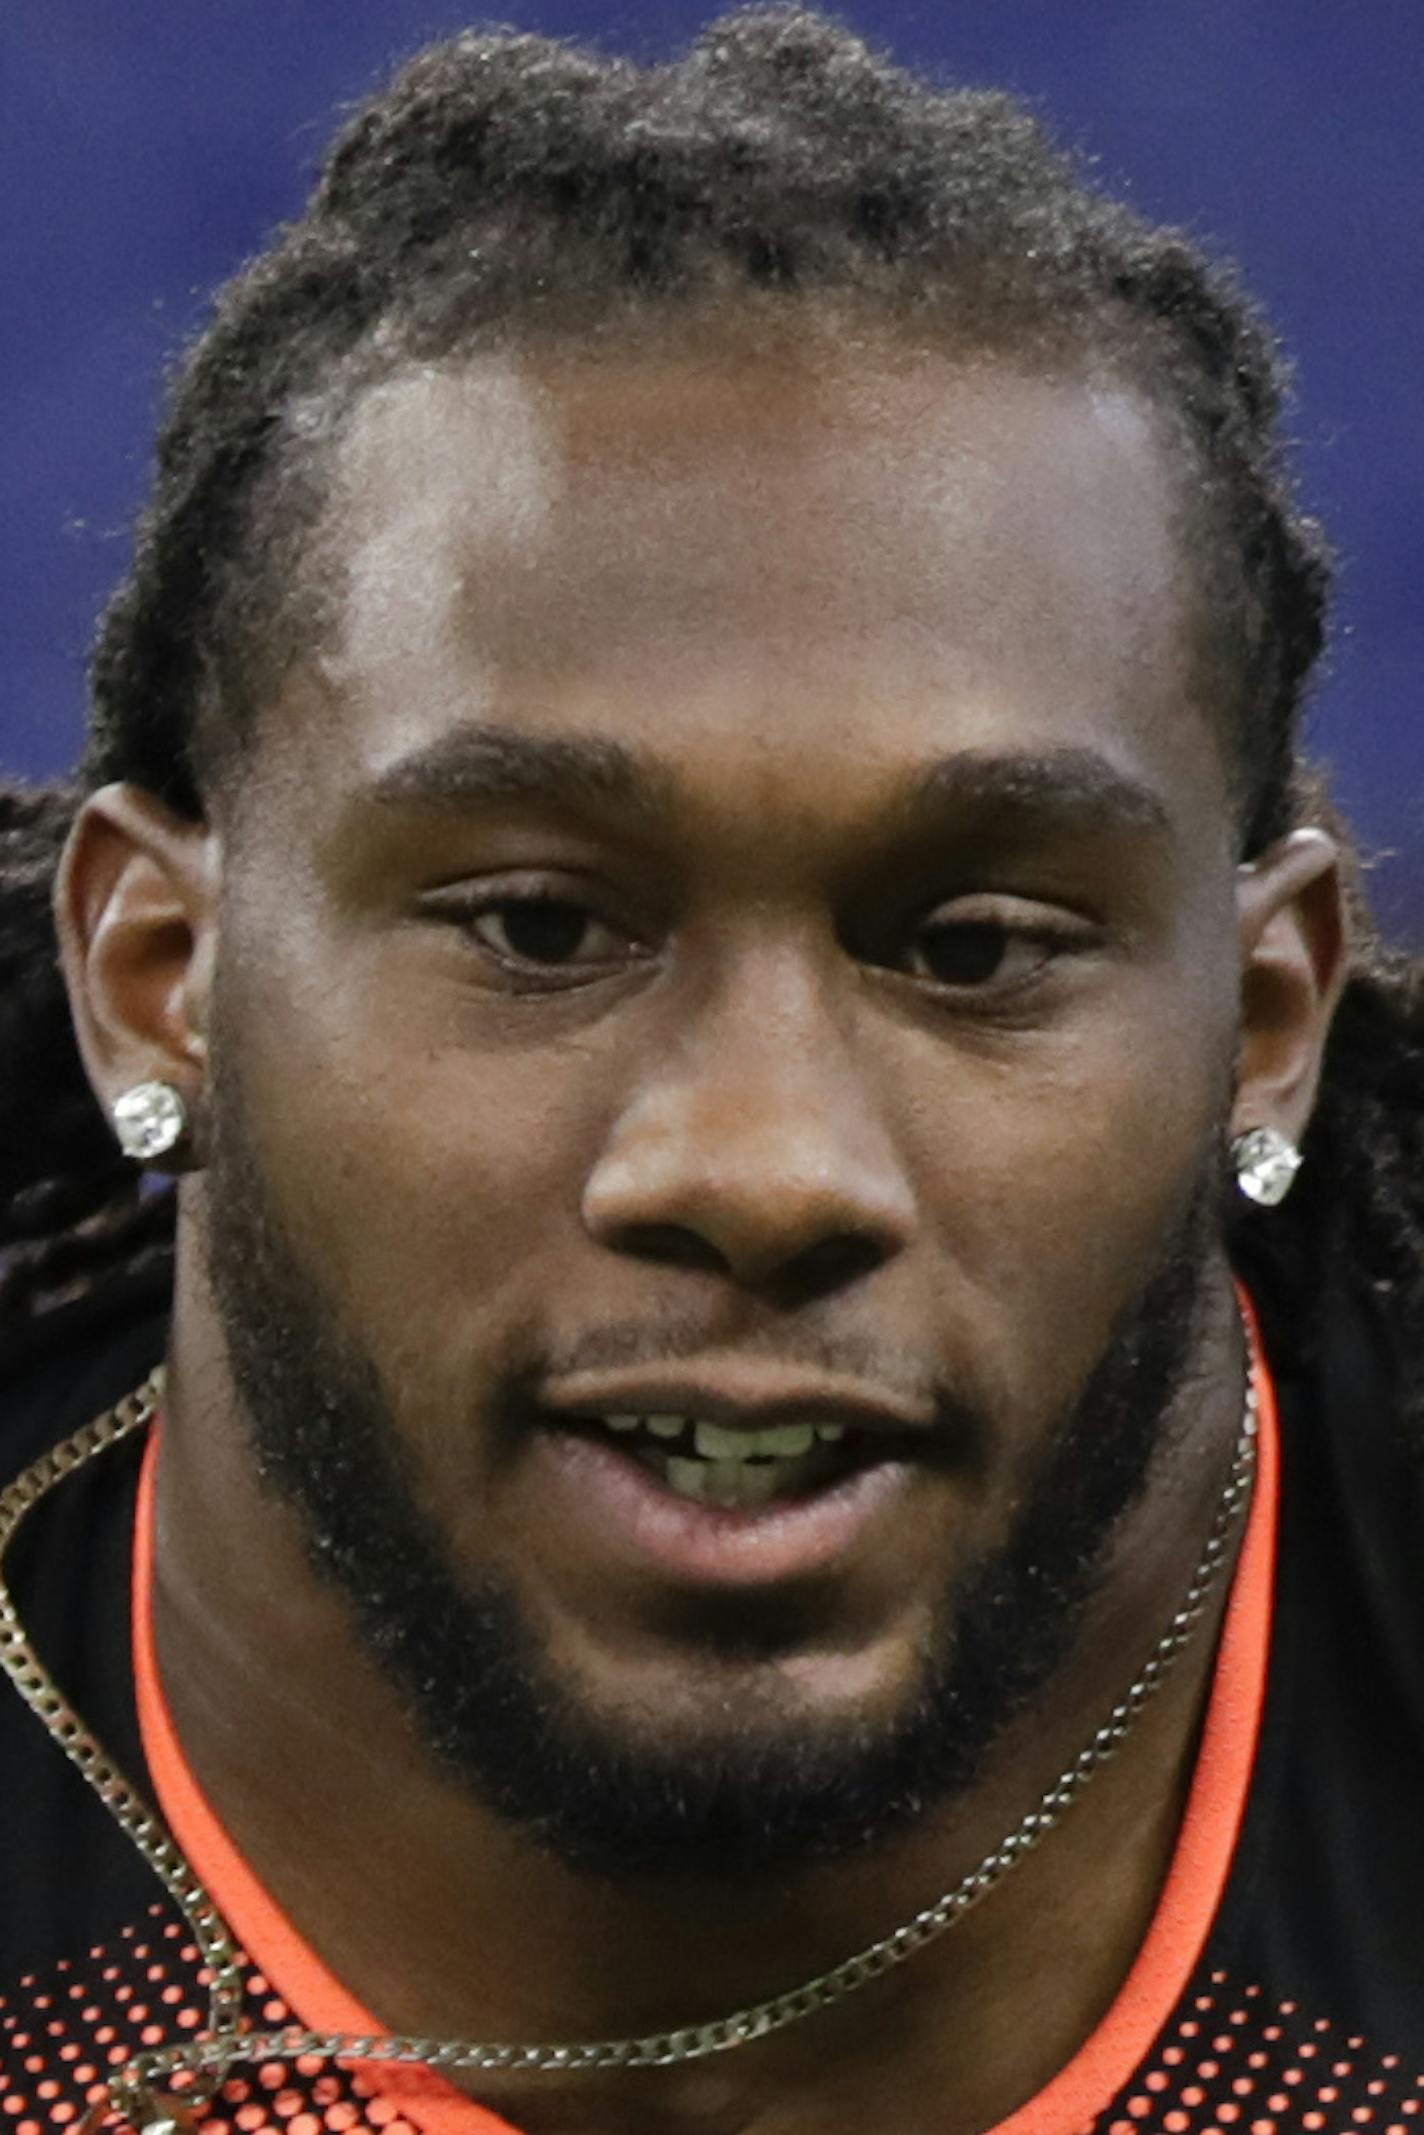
[[1047, 941]]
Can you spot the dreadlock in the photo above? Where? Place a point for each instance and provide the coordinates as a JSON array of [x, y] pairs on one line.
[[507, 186]]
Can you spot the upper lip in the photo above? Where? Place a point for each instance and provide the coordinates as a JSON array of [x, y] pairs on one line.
[[751, 1399]]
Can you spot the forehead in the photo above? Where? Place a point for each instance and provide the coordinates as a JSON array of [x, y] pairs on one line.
[[728, 551]]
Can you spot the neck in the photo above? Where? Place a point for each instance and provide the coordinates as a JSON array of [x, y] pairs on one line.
[[457, 1925]]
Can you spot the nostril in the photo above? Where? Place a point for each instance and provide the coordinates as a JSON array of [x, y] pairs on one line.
[[830, 1264], [825, 1265], [847, 1255], [671, 1244]]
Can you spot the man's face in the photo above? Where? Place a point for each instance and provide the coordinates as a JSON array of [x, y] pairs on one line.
[[737, 924]]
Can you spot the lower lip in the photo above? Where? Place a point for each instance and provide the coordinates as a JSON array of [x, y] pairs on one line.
[[588, 1484]]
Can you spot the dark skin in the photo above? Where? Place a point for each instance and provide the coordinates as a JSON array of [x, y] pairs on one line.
[[757, 1096]]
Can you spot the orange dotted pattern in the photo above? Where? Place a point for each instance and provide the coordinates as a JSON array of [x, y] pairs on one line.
[[1231, 2062], [1235, 2062], [61, 2036]]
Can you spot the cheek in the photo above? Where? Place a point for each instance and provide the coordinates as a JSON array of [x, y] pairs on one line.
[[1056, 1173], [416, 1168]]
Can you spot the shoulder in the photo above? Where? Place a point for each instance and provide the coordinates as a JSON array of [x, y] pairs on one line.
[[72, 1362]]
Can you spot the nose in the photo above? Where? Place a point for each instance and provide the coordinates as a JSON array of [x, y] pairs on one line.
[[754, 1146]]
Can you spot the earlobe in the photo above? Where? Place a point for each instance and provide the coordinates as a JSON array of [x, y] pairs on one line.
[[135, 905], [1294, 959]]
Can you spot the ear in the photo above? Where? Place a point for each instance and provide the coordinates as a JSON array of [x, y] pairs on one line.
[[135, 910], [1294, 959]]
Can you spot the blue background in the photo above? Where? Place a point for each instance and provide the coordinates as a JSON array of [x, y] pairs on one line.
[[147, 145]]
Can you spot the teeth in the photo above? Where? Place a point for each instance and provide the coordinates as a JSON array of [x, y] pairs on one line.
[[724, 1482], [786, 1441], [729, 1483], [714, 1442], [689, 1478], [757, 1484], [732, 1466], [782, 1441]]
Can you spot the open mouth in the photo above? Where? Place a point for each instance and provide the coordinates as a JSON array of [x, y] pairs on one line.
[[738, 1467], [775, 1484]]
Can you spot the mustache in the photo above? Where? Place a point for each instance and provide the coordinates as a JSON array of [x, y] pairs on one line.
[[618, 1344], [962, 1420]]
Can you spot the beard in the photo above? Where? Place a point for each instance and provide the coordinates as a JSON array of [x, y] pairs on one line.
[[738, 1800]]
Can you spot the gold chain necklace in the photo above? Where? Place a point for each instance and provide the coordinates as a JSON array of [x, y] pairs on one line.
[[137, 2090]]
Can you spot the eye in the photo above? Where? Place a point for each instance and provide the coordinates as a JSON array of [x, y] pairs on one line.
[[989, 953], [538, 929]]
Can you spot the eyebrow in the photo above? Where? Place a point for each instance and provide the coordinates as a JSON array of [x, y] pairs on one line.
[[479, 762], [1071, 788]]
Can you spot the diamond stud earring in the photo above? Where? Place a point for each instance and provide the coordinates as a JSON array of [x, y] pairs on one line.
[[1266, 1165], [149, 1120]]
